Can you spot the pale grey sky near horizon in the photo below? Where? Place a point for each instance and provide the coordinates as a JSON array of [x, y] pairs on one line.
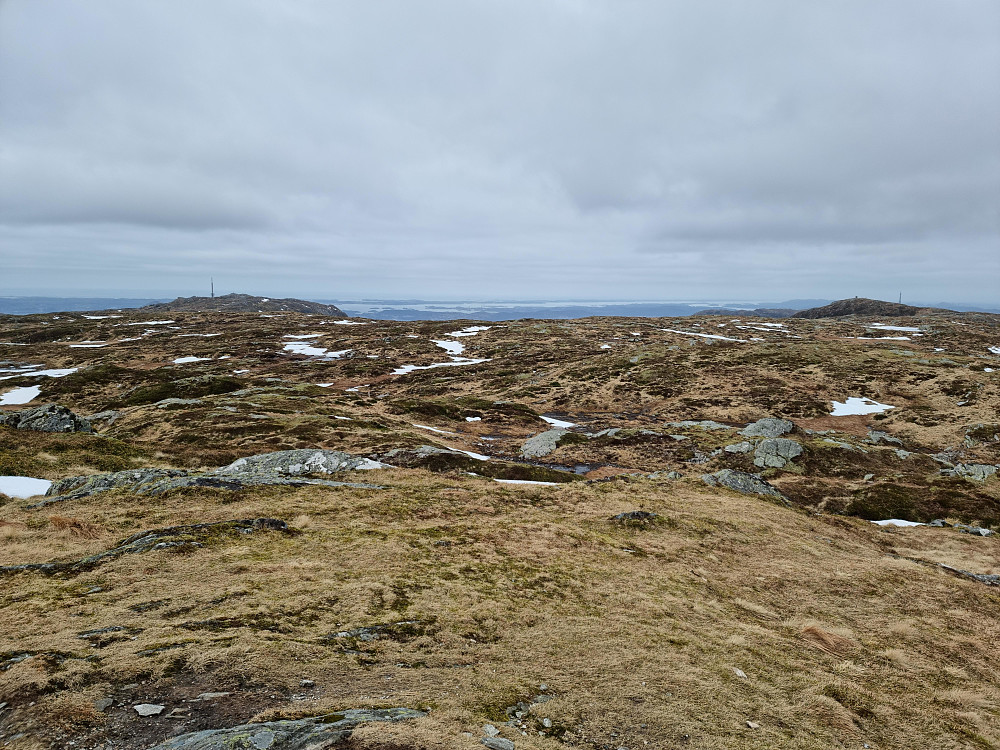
[[620, 149]]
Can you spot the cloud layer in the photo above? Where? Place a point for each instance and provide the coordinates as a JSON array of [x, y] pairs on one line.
[[521, 149]]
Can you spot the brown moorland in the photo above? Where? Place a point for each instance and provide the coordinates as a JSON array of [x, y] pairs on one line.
[[725, 621]]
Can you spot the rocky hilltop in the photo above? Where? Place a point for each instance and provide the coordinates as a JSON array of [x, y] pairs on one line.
[[866, 307], [245, 303]]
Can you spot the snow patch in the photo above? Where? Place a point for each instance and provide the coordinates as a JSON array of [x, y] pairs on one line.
[[853, 406], [896, 522], [433, 429], [470, 331], [21, 395], [558, 422], [704, 335], [43, 373]]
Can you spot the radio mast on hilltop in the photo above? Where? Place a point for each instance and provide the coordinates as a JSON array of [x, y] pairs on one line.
[[213, 287]]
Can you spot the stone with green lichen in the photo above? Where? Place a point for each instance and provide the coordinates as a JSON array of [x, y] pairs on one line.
[[298, 734]]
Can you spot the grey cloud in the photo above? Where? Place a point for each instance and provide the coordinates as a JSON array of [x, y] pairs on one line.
[[571, 147]]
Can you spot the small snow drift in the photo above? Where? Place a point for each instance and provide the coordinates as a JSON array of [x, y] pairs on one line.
[[20, 395], [470, 331], [854, 406], [306, 348]]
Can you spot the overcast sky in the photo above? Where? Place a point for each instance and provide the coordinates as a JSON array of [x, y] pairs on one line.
[[485, 149]]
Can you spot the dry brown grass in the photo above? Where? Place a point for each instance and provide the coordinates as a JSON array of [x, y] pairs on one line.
[[541, 588]]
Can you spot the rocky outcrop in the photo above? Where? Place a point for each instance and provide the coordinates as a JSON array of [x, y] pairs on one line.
[[297, 463], [284, 468], [705, 424], [298, 734], [768, 427], [46, 418], [635, 518], [173, 537], [975, 472], [776, 452], [746, 484], [543, 443], [876, 437]]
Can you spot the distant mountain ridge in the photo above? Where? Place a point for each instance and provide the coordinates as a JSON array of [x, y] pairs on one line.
[[246, 303], [868, 307]]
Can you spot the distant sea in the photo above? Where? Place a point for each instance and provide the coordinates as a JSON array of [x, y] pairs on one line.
[[496, 310], [508, 310]]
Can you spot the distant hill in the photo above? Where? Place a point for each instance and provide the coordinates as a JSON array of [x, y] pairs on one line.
[[760, 312], [246, 303], [867, 307]]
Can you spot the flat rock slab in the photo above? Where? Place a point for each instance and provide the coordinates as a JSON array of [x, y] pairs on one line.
[[300, 734]]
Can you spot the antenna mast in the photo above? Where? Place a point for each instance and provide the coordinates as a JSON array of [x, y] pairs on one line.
[[213, 287]]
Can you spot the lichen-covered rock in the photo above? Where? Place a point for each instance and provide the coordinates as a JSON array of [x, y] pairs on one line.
[[705, 424], [299, 734], [46, 418], [875, 437], [297, 463], [975, 472], [739, 481], [768, 427], [974, 530], [131, 479], [776, 452], [282, 468], [543, 443], [635, 517], [743, 447]]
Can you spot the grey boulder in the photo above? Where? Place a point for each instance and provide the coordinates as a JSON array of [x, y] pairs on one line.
[[877, 436], [768, 427], [776, 452], [542, 444], [299, 734], [740, 481], [46, 418], [975, 472]]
